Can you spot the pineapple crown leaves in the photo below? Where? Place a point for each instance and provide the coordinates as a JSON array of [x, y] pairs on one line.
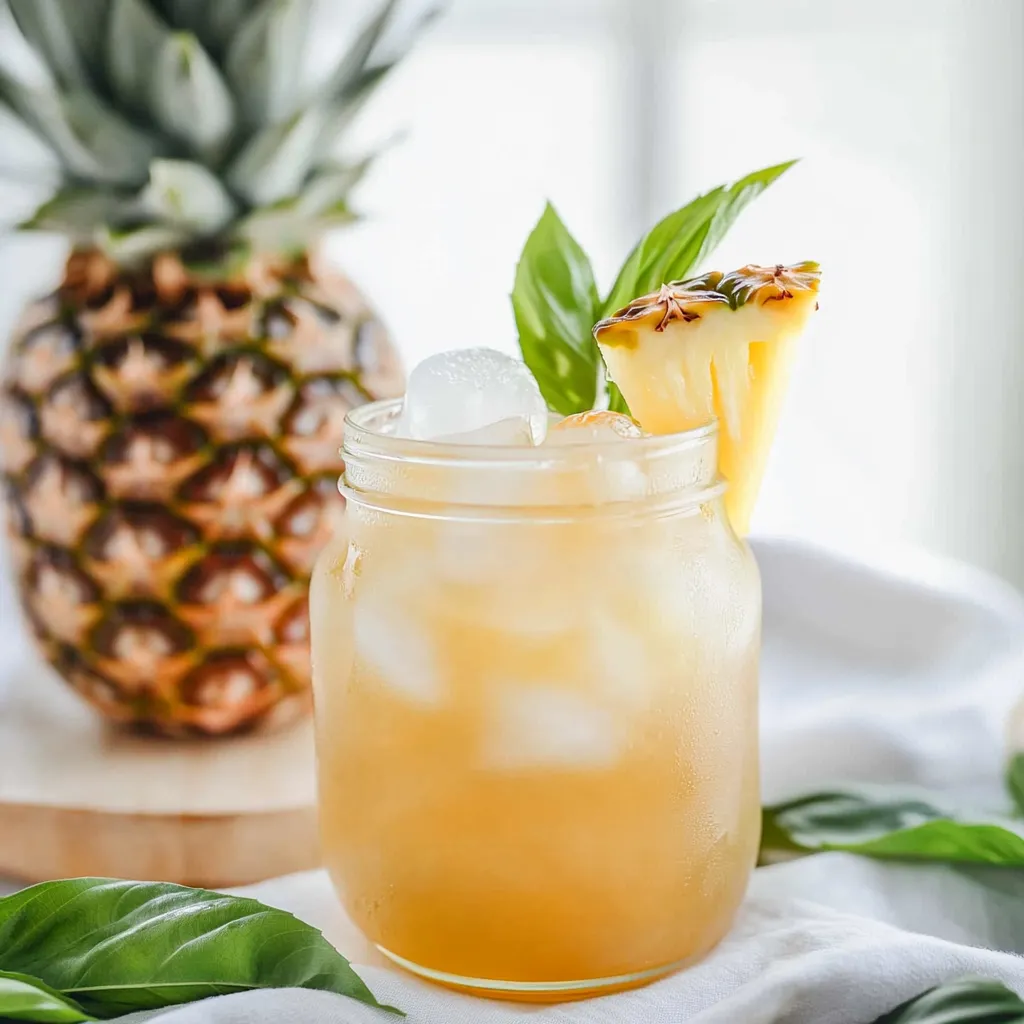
[[556, 301], [181, 120]]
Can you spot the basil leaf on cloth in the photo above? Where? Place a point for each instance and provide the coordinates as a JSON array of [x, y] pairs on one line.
[[115, 946]]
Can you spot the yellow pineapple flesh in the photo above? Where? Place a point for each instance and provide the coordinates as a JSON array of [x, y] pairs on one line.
[[718, 346]]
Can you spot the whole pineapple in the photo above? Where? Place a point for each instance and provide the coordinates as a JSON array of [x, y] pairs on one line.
[[171, 415]]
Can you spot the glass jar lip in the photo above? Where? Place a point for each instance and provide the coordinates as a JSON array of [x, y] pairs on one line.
[[363, 435]]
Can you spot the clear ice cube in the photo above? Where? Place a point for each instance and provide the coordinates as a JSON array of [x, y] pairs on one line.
[[613, 476], [460, 392], [594, 427], [516, 430], [624, 668], [548, 727], [398, 649]]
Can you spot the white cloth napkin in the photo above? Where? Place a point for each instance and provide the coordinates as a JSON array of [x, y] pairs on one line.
[[828, 940], [868, 675]]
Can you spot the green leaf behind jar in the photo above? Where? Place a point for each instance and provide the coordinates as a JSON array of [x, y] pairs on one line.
[[890, 823]]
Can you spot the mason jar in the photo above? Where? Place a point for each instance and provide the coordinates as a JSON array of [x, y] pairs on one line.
[[535, 676]]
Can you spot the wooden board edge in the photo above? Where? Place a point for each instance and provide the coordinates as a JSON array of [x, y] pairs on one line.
[[38, 843]]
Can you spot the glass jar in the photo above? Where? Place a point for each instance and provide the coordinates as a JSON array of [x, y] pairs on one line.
[[535, 673]]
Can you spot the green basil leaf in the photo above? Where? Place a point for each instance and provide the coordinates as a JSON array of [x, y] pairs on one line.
[[117, 946], [888, 823], [734, 200], [1015, 781], [25, 998], [967, 1001], [679, 242], [556, 304], [555, 297]]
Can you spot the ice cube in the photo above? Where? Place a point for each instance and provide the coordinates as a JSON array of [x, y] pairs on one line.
[[594, 427], [614, 476], [398, 650], [515, 430], [548, 727], [455, 393], [623, 664]]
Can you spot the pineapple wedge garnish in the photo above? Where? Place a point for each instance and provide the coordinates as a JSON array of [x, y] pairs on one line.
[[717, 346]]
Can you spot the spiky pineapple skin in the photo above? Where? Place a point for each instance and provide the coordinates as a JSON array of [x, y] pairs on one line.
[[170, 448]]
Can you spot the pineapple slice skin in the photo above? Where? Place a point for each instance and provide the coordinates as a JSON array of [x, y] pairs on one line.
[[170, 460], [689, 299], [720, 346]]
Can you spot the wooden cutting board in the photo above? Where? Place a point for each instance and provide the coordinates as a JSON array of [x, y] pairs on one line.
[[78, 797]]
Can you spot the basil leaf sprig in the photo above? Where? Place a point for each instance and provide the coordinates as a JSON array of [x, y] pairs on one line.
[[556, 305], [93, 948], [891, 823], [966, 1001], [556, 301]]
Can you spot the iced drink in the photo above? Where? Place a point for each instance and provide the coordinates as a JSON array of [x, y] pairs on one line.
[[535, 663]]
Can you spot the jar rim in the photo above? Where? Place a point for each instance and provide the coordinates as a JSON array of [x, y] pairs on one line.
[[364, 436], [653, 475]]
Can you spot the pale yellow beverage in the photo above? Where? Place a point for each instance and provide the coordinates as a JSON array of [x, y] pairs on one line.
[[536, 701]]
